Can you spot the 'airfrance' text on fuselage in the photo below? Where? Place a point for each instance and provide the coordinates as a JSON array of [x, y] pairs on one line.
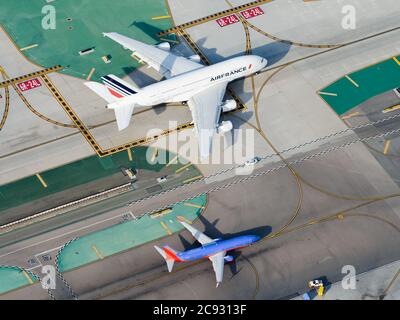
[[227, 74]]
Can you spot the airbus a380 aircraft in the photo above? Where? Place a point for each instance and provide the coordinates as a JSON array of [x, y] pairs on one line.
[[213, 249], [202, 87]]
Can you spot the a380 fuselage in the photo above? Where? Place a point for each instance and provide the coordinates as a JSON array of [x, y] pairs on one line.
[[184, 86]]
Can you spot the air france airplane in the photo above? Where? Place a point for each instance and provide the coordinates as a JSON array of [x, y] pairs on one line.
[[213, 249], [187, 80]]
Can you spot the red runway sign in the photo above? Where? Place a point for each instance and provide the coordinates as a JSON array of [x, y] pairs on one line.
[[29, 84], [226, 21], [251, 13]]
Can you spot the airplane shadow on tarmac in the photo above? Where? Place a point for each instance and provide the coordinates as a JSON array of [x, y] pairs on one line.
[[212, 231]]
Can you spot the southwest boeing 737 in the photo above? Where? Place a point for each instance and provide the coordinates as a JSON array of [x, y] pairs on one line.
[[187, 80], [213, 249]]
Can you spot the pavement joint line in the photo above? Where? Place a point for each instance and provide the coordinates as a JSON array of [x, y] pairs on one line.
[[183, 168], [163, 224], [97, 251], [41, 180], [352, 81], [387, 146]]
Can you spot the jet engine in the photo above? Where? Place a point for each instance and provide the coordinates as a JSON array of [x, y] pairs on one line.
[[164, 46], [224, 127], [229, 105], [195, 58], [228, 258]]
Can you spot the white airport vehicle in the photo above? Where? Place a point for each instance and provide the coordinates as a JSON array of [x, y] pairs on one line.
[[252, 162], [202, 87], [162, 179]]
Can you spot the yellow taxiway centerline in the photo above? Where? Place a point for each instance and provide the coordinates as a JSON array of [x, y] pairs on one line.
[[166, 228], [90, 74], [184, 219], [41, 180], [29, 47], [27, 277], [192, 179], [387, 146], [160, 17], [98, 253], [183, 168], [193, 205], [129, 154]]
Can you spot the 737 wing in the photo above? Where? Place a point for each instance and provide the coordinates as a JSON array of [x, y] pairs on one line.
[[218, 265], [166, 63], [198, 235], [206, 110]]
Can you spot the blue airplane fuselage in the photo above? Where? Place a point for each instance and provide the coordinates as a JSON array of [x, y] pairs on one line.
[[216, 247]]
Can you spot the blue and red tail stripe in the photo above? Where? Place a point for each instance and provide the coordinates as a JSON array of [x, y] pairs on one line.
[[117, 88]]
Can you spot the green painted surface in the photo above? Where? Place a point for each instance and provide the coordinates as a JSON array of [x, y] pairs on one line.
[[372, 81], [121, 237], [23, 21], [12, 278], [77, 173]]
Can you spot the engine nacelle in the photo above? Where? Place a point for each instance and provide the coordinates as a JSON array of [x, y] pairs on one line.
[[164, 46], [229, 105], [224, 127], [195, 58], [228, 258]]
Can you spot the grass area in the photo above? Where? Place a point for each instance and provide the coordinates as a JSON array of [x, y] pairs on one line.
[[79, 25], [75, 174], [12, 278], [121, 237], [371, 81]]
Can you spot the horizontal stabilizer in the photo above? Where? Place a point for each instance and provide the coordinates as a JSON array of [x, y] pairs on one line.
[[168, 260], [101, 90], [123, 114]]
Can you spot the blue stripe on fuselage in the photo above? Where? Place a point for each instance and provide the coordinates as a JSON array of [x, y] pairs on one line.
[[217, 246]]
